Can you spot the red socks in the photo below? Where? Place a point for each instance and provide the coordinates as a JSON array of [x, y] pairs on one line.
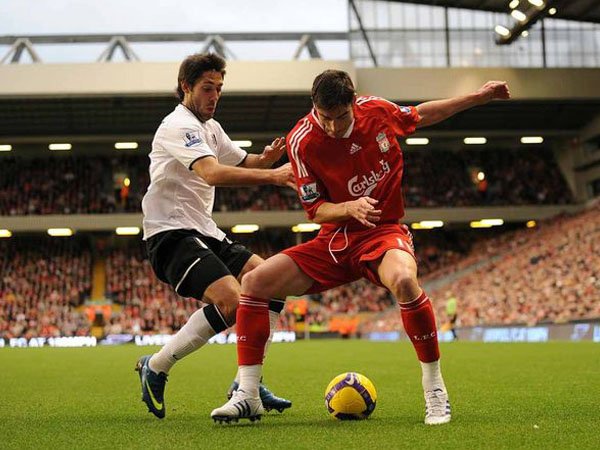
[[252, 325], [253, 328], [419, 324]]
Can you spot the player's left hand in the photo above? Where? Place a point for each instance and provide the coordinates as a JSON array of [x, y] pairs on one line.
[[493, 90], [273, 152]]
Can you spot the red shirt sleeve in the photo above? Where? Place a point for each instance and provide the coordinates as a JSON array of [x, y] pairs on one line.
[[404, 119], [311, 191]]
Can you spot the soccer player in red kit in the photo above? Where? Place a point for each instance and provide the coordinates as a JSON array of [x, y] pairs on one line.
[[348, 168]]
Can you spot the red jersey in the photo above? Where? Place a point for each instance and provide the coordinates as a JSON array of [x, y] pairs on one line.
[[368, 162]]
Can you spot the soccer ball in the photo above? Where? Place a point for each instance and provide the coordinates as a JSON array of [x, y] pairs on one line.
[[350, 396]]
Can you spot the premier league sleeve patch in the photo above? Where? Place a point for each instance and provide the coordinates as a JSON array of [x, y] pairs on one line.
[[192, 138], [309, 192]]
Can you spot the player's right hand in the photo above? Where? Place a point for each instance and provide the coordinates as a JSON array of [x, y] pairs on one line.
[[284, 176], [493, 90], [364, 211]]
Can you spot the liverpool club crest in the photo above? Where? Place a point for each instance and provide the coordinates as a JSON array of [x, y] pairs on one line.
[[382, 141]]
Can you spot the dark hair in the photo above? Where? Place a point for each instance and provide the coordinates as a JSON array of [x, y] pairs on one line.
[[194, 66], [332, 88]]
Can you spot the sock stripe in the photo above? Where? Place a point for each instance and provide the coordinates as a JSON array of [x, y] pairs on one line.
[[254, 304], [414, 304], [254, 299]]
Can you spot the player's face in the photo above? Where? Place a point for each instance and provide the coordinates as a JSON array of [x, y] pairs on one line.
[[202, 99], [335, 121]]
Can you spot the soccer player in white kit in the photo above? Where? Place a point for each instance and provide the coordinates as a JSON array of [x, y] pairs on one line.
[[191, 154]]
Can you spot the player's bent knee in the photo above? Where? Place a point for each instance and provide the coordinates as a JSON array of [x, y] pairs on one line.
[[252, 264], [225, 295], [405, 287], [254, 283]]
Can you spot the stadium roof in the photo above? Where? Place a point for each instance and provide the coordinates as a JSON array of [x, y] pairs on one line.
[[121, 115], [91, 101], [580, 10]]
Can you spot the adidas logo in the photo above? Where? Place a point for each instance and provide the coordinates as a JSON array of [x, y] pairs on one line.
[[354, 148]]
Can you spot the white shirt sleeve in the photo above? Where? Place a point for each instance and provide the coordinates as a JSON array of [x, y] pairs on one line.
[[229, 154], [187, 144]]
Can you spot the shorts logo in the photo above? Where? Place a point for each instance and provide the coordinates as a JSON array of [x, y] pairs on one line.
[[382, 141], [192, 138], [405, 109], [309, 193]]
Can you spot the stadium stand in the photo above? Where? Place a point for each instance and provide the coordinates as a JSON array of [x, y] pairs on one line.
[[53, 186], [545, 275], [78, 185], [104, 187], [512, 177], [43, 281], [144, 304]]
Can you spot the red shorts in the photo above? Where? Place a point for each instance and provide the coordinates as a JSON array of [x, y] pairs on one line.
[[340, 257]]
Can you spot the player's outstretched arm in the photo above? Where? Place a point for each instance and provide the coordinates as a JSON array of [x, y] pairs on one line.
[[217, 174], [268, 157], [439, 110]]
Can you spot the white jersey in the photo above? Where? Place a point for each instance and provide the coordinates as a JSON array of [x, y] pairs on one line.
[[177, 197]]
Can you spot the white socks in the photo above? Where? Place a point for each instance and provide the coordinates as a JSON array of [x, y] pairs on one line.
[[250, 379], [432, 376], [193, 335]]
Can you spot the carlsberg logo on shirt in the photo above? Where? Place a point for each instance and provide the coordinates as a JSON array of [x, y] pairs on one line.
[[359, 187]]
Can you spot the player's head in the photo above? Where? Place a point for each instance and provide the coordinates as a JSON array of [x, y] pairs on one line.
[[200, 82], [333, 97]]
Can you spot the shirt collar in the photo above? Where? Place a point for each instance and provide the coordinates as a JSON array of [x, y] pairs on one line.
[[348, 131]]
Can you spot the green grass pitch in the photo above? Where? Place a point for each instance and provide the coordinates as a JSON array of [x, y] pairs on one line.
[[503, 396]]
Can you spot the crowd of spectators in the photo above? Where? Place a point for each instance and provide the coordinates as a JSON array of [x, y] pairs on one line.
[[146, 304], [438, 252], [525, 276], [151, 306], [96, 184], [508, 177], [128, 198], [61, 185], [42, 282], [256, 198], [543, 275]]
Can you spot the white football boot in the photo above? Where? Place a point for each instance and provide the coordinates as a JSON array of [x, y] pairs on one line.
[[239, 406], [437, 407]]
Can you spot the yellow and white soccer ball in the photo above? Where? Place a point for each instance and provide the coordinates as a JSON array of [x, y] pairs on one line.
[[350, 396]]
